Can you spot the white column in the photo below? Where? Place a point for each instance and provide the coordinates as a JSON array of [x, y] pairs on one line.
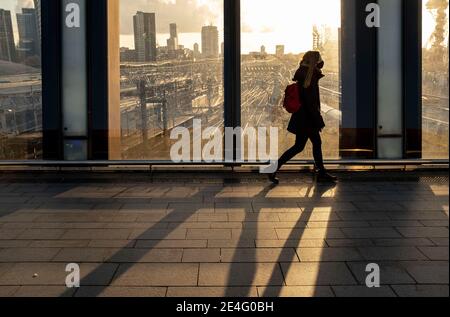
[[390, 81], [74, 79]]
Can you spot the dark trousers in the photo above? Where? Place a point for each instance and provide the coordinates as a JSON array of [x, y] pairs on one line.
[[300, 144]]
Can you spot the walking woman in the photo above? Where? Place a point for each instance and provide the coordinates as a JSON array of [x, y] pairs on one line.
[[307, 124]]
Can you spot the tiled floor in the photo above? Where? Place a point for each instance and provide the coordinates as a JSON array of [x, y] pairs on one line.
[[206, 235]]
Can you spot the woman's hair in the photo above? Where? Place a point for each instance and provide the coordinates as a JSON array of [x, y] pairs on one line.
[[311, 59]]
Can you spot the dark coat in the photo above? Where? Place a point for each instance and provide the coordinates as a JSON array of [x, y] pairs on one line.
[[309, 118]]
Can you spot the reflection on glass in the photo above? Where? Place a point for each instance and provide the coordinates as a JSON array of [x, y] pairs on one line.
[[20, 80], [435, 79], [171, 72], [274, 39]]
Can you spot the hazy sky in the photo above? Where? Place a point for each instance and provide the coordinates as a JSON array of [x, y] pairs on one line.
[[262, 20]]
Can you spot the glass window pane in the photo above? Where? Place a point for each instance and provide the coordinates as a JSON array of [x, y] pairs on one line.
[[171, 72], [274, 40], [435, 79], [20, 80]]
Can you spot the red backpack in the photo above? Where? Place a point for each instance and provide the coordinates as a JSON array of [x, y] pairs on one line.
[[292, 102]]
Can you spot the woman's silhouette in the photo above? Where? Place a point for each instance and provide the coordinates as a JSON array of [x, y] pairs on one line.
[[307, 124]]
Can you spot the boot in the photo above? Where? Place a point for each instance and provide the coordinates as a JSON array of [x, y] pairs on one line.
[[274, 179], [324, 177]]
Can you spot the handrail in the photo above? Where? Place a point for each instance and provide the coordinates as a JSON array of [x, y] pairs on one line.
[[43, 163]]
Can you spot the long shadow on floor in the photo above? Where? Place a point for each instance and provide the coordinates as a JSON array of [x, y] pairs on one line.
[[246, 279], [296, 237], [181, 217], [236, 276]]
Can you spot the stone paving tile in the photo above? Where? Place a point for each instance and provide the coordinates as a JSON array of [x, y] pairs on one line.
[[398, 223], [158, 234], [42, 234], [102, 234], [435, 223], [367, 233], [417, 215], [379, 206], [421, 290], [168, 244], [328, 254], [424, 232], [120, 292], [44, 291], [242, 217], [59, 244], [260, 255], [8, 291], [308, 216], [442, 242], [296, 291], [303, 243], [435, 253], [391, 253], [349, 242], [210, 234], [402, 242], [256, 234], [247, 243], [111, 243], [10, 234], [331, 233], [156, 274], [48, 274], [322, 274], [201, 256], [12, 255], [240, 274], [359, 216], [189, 292], [338, 224], [426, 272], [14, 243], [363, 291]]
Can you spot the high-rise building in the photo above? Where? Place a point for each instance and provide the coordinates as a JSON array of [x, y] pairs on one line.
[[263, 50], [7, 46], [279, 51], [210, 42], [197, 53], [145, 36], [172, 42], [37, 7], [28, 36], [173, 30]]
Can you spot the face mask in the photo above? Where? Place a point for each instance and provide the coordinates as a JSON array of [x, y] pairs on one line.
[[320, 65]]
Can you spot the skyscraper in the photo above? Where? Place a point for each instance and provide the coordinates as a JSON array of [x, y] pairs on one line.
[[210, 42], [145, 36], [7, 46], [279, 51], [197, 53], [172, 43], [173, 30], [28, 35]]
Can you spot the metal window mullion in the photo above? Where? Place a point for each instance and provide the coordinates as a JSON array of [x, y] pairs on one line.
[[232, 66]]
